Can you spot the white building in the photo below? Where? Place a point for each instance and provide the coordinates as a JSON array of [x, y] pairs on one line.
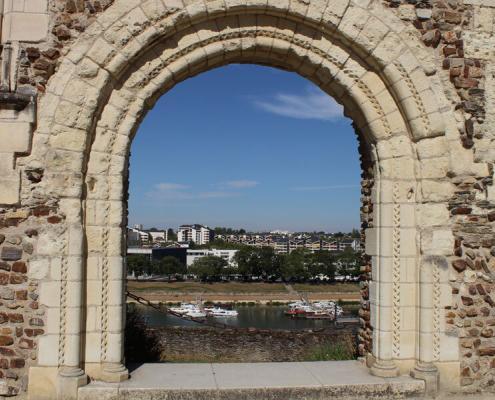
[[354, 244], [198, 234], [144, 237], [280, 232], [227, 255], [158, 236], [141, 236]]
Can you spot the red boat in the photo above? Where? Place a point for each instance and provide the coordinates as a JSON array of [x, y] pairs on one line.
[[299, 311]]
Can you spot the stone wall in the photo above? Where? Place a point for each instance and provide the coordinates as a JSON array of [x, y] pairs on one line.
[[84, 78], [68, 19], [366, 216], [183, 344], [460, 34], [21, 317], [28, 232]]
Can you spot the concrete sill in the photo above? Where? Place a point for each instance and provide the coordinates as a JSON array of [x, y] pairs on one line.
[[274, 381]]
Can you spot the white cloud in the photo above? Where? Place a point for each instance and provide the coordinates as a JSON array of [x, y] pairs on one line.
[[167, 186], [314, 104], [216, 195], [322, 188], [241, 184], [176, 191]]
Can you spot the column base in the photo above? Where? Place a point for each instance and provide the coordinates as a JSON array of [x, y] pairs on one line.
[[428, 373], [370, 360], [114, 373], [384, 369], [70, 379]]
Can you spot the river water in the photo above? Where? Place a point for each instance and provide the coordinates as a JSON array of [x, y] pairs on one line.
[[259, 316]]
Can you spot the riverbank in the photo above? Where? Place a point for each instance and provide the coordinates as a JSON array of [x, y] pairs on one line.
[[193, 344], [258, 334], [237, 292]]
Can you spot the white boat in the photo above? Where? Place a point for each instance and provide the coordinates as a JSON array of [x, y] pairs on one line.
[[189, 310], [318, 309], [183, 308], [196, 314], [220, 312], [298, 303]]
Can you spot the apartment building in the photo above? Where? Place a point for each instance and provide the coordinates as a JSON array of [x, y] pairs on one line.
[[137, 236], [280, 246], [158, 236], [140, 236], [196, 233]]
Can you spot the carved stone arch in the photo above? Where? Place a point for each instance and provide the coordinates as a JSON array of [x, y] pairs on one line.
[[136, 51]]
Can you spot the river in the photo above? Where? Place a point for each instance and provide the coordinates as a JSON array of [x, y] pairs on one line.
[[259, 316]]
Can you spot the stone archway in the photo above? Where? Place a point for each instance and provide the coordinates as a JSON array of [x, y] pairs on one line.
[[356, 51]]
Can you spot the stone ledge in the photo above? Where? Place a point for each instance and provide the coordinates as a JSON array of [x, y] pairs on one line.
[[270, 381]]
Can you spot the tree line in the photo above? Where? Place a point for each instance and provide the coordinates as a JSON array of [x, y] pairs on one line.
[[255, 263], [299, 265], [167, 266]]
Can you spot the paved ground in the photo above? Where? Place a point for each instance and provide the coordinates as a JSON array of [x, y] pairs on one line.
[[284, 381]]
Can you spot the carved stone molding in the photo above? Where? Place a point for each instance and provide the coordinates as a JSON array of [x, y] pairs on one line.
[[396, 273]]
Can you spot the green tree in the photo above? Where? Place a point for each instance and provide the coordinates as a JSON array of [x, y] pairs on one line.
[[350, 262], [259, 262], [170, 266], [321, 262], [172, 236], [294, 266], [248, 262], [220, 230], [271, 263], [355, 234], [220, 244], [139, 264], [208, 268]]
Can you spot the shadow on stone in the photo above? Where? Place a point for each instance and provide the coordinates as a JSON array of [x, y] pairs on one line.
[[141, 344]]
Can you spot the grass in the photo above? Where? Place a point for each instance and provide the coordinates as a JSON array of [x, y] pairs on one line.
[[327, 288], [237, 287], [198, 287], [332, 351]]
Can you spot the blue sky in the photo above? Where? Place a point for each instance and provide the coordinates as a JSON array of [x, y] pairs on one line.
[[246, 146]]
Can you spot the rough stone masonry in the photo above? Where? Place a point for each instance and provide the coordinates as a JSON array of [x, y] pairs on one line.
[[416, 76]]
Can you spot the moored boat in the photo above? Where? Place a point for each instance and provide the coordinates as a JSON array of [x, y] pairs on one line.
[[220, 312], [317, 310], [196, 314], [188, 310]]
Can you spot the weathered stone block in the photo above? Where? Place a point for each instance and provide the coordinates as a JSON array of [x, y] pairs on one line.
[[25, 27], [11, 186], [10, 253]]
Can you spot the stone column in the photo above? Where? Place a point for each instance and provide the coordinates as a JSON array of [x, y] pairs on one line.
[[425, 369], [383, 365], [71, 376], [113, 307]]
